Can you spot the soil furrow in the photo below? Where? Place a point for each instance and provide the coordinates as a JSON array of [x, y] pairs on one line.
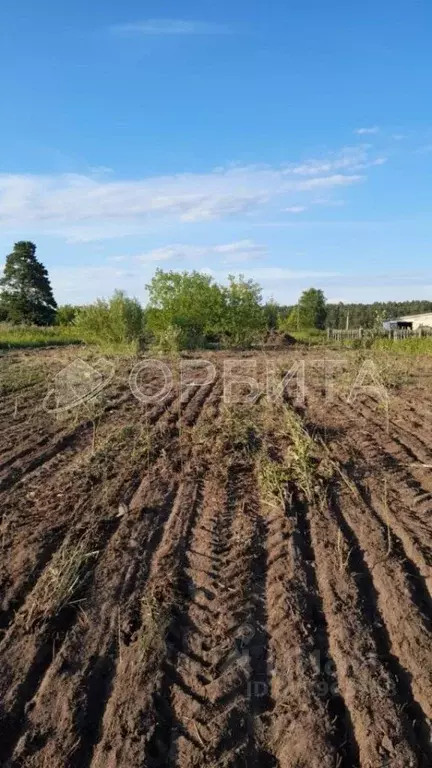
[[26, 648], [136, 708], [41, 545], [409, 639], [368, 677], [301, 726]]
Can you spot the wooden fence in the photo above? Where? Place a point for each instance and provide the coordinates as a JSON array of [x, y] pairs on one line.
[[335, 334]]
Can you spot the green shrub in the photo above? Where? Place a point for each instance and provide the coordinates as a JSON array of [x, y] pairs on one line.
[[311, 336], [243, 321], [115, 323], [416, 345], [168, 341], [202, 311], [65, 315]]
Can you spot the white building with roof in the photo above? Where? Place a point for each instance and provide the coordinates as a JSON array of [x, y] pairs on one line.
[[424, 319]]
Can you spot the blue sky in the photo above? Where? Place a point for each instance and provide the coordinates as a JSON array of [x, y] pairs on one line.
[[289, 140]]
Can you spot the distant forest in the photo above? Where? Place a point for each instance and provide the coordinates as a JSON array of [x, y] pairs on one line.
[[368, 315]]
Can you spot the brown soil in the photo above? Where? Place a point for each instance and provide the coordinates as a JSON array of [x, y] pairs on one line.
[[159, 608]]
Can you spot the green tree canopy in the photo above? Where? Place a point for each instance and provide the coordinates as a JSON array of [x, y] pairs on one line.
[[66, 314], [272, 312], [243, 316], [312, 309], [190, 302], [194, 306], [26, 294]]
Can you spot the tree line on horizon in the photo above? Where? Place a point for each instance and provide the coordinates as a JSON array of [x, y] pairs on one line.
[[185, 309]]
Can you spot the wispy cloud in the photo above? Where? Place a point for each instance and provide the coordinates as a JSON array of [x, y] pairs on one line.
[[347, 158], [170, 27], [295, 209], [85, 208], [365, 131], [328, 202], [239, 252], [327, 182]]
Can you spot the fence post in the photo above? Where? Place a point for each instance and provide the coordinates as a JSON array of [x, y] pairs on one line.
[[328, 334]]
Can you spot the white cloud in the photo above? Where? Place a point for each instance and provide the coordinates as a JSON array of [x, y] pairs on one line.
[[241, 251], [328, 203], [349, 158], [366, 131], [295, 209], [170, 27], [337, 180], [100, 170], [84, 208]]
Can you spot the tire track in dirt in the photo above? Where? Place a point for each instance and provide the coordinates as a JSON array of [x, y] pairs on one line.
[[44, 550], [403, 601], [402, 643], [417, 441], [410, 535], [84, 669], [73, 440], [199, 403], [404, 631], [302, 726], [375, 463], [403, 445], [385, 497], [21, 651], [369, 679], [219, 685], [135, 706]]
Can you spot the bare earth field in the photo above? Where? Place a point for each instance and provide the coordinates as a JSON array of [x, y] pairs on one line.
[[195, 582]]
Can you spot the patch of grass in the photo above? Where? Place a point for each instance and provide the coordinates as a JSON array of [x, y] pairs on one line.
[[238, 432], [273, 479], [311, 337], [417, 346], [61, 581], [300, 454], [18, 377], [34, 337]]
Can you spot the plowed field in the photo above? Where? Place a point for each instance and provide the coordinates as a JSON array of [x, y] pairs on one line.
[[198, 581]]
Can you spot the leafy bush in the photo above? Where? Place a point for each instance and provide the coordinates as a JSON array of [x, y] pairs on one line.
[[112, 323], [65, 315], [190, 302], [168, 340], [201, 311], [243, 320]]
